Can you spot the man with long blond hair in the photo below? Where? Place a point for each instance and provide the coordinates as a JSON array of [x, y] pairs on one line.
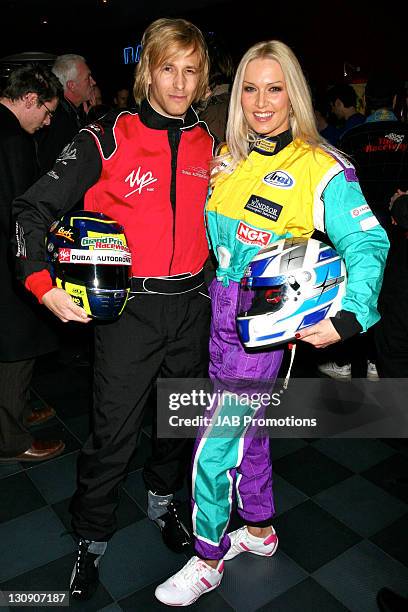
[[149, 170]]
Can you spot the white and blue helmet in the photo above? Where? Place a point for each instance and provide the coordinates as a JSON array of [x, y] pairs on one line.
[[289, 285]]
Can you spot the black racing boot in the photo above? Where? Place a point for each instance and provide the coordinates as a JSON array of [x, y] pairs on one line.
[[163, 511], [85, 575], [174, 533]]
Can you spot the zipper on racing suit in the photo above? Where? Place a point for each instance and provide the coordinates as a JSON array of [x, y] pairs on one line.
[[174, 136]]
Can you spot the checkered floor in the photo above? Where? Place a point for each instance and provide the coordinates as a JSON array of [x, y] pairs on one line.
[[342, 520]]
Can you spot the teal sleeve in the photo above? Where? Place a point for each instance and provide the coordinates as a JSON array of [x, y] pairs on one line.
[[361, 242]]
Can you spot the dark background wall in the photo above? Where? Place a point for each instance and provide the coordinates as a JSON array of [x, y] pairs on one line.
[[323, 35]]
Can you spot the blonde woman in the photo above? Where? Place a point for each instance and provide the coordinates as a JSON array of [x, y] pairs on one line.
[[277, 178]]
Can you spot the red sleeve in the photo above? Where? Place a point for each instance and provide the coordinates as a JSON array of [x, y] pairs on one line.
[[39, 283]]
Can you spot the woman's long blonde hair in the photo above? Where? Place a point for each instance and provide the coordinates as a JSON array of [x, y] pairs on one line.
[[302, 119]]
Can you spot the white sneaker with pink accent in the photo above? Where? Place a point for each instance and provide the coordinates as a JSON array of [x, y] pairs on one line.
[[192, 581], [243, 541]]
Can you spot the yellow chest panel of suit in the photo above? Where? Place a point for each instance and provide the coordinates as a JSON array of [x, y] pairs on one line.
[[274, 192]]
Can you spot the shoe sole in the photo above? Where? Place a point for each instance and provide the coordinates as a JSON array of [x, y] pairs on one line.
[[182, 605], [32, 460], [336, 377]]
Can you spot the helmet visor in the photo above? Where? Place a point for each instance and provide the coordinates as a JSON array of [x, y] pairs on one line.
[[96, 276], [268, 296]]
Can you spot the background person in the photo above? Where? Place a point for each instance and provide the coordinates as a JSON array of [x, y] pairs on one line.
[[379, 147], [215, 108], [78, 84], [391, 333], [121, 98], [324, 121], [343, 100], [27, 104], [97, 108], [379, 150], [271, 128]]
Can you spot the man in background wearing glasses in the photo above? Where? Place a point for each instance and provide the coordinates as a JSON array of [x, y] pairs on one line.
[[27, 104]]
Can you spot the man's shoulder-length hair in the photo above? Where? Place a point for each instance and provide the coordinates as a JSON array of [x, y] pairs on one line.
[[163, 39]]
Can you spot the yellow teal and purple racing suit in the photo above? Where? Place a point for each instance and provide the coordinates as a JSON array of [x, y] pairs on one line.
[[284, 188]]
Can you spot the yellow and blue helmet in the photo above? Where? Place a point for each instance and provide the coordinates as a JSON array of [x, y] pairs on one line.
[[289, 285], [91, 262]]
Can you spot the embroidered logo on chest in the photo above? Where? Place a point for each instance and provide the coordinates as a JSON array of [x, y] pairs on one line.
[[197, 171], [280, 179], [140, 180], [263, 207], [265, 146], [250, 235]]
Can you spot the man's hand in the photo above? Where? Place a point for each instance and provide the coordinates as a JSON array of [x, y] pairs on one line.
[[60, 304], [320, 335]]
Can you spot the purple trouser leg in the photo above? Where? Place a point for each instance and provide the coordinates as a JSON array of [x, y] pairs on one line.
[[254, 482], [241, 459]]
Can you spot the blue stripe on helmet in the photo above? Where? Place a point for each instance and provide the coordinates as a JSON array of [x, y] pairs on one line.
[[243, 329]]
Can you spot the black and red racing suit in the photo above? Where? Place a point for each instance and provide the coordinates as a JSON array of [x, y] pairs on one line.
[[150, 173]]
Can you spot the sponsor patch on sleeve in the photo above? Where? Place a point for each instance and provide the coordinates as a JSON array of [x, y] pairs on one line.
[[250, 235], [69, 152], [360, 210], [263, 207], [369, 223]]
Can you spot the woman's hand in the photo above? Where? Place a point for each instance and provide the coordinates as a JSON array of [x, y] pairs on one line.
[[59, 302], [320, 335]]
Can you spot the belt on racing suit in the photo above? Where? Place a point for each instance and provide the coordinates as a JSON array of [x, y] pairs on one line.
[[167, 285]]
